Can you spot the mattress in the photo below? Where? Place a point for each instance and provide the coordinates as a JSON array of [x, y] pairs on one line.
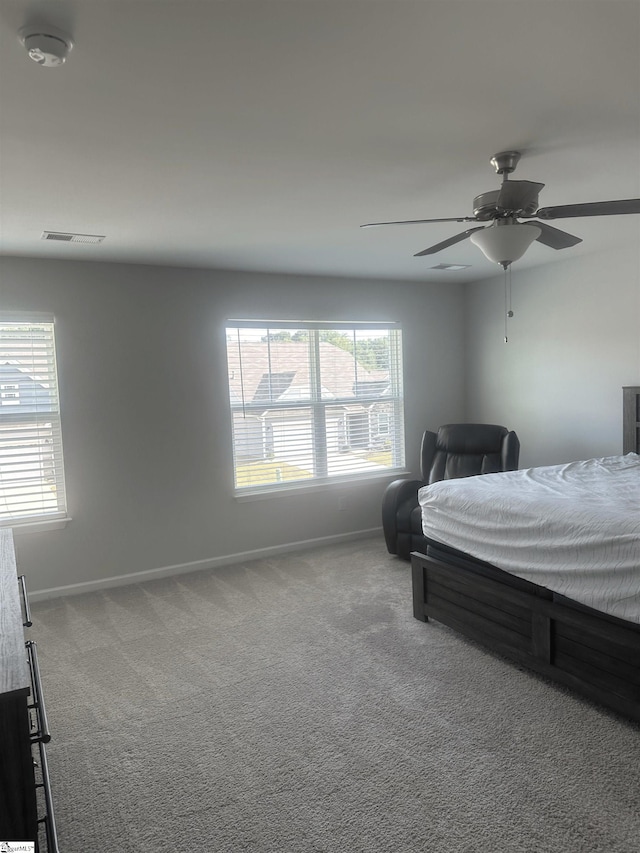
[[573, 528]]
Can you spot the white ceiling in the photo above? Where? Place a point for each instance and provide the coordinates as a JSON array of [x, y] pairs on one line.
[[259, 134]]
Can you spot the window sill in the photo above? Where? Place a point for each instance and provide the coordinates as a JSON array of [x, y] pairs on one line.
[[311, 486], [40, 525]]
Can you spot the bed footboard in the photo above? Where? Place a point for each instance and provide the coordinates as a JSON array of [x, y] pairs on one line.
[[594, 655]]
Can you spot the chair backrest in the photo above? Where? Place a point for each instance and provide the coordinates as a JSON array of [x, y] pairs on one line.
[[463, 450]]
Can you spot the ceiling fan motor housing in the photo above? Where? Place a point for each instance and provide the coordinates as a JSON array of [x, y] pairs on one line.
[[485, 206]]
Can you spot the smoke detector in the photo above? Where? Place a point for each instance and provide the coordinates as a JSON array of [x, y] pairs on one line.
[[47, 46]]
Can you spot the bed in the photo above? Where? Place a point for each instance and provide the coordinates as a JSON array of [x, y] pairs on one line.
[[542, 566]]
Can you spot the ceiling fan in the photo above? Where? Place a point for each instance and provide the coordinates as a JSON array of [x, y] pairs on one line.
[[506, 239]]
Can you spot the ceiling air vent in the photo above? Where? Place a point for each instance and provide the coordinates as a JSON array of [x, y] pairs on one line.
[[66, 237], [451, 267]]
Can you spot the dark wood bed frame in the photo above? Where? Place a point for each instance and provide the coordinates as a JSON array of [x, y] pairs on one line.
[[596, 655]]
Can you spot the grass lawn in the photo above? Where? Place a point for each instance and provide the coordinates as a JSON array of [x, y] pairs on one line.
[[382, 457], [264, 472], [261, 473]]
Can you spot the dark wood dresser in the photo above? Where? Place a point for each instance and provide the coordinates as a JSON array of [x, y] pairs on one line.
[[631, 419], [26, 808]]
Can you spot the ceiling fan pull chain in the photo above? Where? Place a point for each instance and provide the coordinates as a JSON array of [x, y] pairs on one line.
[[508, 313], [506, 307]]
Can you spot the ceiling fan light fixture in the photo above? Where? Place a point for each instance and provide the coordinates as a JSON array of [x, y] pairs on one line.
[[505, 242]]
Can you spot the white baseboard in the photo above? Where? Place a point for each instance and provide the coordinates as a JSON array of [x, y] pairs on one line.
[[197, 565]]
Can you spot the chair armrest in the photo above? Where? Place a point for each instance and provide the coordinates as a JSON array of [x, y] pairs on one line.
[[510, 452], [396, 493]]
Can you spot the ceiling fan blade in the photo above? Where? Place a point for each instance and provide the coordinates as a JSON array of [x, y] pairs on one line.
[[421, 221], [554, 237], [518, 195], [446, 243], [593, 208]]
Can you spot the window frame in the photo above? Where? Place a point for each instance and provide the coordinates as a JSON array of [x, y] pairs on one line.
[[318, 406]]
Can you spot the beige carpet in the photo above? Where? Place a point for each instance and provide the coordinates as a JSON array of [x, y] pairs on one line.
[[294, 704]]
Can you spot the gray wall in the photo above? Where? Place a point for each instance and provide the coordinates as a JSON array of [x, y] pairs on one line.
[[143, 392], [145, 421], [573, 343]]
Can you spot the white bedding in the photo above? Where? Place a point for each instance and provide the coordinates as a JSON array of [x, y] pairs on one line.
[[574, 528]]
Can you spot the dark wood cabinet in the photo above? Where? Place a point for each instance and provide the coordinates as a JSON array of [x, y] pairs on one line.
[[26, 809], [631, 419]]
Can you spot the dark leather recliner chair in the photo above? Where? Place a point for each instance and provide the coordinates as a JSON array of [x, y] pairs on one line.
[[456, 450]]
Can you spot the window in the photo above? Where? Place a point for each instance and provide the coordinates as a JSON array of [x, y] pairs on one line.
[[312, 402], [31, 473]]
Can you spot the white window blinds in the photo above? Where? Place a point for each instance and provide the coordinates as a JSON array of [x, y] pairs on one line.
[[312, 402], [31, 465]]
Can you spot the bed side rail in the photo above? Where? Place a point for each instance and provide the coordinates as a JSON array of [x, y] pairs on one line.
[[580, 649]]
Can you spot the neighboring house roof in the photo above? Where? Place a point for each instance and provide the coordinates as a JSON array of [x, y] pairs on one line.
[[281, 372]]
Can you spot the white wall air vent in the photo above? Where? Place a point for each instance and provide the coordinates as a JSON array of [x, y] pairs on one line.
[[66, 237]]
